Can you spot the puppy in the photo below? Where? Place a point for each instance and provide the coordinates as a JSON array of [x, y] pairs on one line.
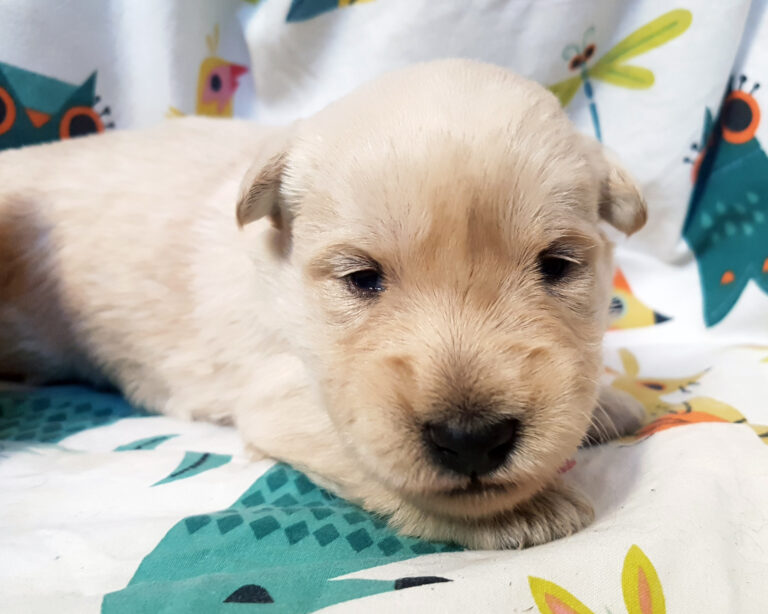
[[405, 297]]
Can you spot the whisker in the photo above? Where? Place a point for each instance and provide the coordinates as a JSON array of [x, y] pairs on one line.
[[609, 428]]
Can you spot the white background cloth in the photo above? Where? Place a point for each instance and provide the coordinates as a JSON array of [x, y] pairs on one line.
[[77, 518]]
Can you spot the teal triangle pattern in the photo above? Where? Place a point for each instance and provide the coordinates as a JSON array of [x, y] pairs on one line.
[[50, 414], [282, 544]]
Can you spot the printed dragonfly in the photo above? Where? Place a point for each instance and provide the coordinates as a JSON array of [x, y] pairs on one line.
[[611, 67]]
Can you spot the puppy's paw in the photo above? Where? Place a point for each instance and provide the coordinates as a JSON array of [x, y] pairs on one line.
[[617, 414], [557, 511]]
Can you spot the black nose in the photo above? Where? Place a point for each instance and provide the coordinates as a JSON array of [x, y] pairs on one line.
[[471, 451]]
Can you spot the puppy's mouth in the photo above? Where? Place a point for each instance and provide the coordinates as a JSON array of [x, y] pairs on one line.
[[476, 487]]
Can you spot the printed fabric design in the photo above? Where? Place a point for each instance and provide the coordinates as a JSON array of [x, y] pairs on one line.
[[217, 82], [628, 311], [611, 67], [284, 542], [727, 221], [50, 414], [301, 10], [640, 587], [36, 109], [662, 415]]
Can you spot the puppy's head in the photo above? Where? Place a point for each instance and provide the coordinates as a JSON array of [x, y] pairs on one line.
[[444, 220]]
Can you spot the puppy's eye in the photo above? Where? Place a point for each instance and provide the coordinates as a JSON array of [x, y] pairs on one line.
[[366, 281], [555, 267]]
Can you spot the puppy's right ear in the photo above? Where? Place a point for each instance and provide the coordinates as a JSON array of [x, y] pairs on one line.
[[261, 191], [621, 202]]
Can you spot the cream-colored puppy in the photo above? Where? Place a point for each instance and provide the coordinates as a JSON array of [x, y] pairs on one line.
[[405, 298]]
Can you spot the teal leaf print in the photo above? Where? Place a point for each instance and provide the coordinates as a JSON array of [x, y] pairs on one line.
[[194, 463]]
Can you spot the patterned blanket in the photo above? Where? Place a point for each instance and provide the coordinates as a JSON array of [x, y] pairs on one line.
[[105, 508]]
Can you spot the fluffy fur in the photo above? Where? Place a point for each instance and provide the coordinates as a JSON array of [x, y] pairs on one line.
[[143, 260]]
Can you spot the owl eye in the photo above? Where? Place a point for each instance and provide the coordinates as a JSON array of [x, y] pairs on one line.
[[7, 111], [80, 121], [740, 117]]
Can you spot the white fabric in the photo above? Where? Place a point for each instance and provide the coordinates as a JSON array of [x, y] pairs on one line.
[[77, 518]]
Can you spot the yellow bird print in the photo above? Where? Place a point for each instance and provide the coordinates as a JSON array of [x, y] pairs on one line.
[[217, 83], [661, 414], [628, 311]]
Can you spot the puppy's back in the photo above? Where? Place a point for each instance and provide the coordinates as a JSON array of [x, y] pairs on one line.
[[90, 228]]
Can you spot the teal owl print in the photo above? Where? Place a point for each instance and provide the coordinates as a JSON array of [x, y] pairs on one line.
[[36, 109], [727, 221]]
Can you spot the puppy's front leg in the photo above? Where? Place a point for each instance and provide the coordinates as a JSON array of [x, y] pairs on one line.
[[555, 512], [617, 414]]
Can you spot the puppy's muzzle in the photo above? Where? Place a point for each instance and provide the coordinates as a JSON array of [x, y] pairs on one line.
[[471, 449]]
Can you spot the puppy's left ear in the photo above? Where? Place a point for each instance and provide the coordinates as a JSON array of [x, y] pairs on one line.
[[262, 189], [621, 203]]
